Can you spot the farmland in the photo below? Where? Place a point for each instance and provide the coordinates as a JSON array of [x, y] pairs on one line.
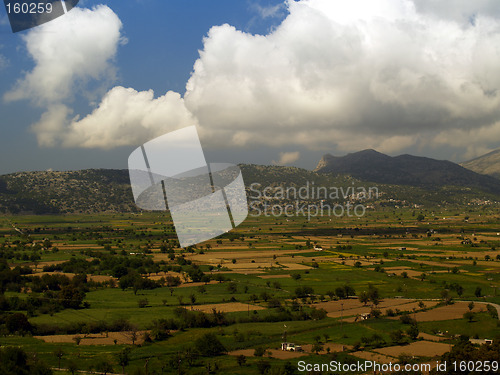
[[394, 282]]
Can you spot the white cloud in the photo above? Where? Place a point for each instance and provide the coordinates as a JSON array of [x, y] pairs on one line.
[[357, 74], [3, 62], [68, 51], [268, 11], [124, 117], [287, 158], [4, 20], [386, 74]]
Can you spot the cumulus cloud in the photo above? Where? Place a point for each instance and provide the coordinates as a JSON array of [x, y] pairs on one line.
[[287, 158], [359, 74], [386, 74], [67, 52], [124, 117]]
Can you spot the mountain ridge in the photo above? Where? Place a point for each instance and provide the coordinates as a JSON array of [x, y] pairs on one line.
[[371, 165], [108, 190], [485, 164]]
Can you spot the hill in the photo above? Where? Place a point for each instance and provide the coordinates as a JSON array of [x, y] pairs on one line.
[[485, 164], [370, 165], [85, 191], [107, 190]]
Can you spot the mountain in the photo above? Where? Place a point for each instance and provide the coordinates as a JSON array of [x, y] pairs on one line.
[[370, 165], [108, 190], [485, 164], [85, 191]]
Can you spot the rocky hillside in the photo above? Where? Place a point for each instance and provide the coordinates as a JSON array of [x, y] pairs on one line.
[[370, 165], [485, 164], [101, 190]]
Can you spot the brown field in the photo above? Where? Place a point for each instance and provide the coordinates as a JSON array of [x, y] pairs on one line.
[[96, 278], [354, 307], [455, 311], [197, 284], [351, 262], [369, 356], [275, 353], [274, 276], [283, 354], [96, 339], [333, 347], [227, 256], [417, 348], [227, 307], [429, 337]]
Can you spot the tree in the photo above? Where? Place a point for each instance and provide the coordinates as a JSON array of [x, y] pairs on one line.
[[59, 354], [396, 336], [72, 367], [209, 345], [413, 332], [133, 336], [241, 359], [349, 291], [466, 352], [124, 358], [77, 340], [104, 366], [263, 366], [469, 315], [339, 292], [445, 295], [18, 322], [14, 360], [373, 294], [478, 292], [471, 306], [317, 347], [232, 287], [259, 351], [363, 298]]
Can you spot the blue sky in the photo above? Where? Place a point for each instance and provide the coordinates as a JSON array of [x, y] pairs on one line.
[[265, 81], [163, 42]]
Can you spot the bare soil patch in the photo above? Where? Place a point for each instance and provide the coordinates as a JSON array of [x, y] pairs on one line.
[[96, 278], [429, 337], [227, 307], [97, 339], [376, 357], [449, 312], [274, 276], [353, 307], [418, 349], [275, 353]]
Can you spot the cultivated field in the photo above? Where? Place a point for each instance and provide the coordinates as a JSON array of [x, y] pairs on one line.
[[382, 286]]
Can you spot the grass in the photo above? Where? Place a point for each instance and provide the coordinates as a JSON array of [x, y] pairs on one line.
[[377, 233]]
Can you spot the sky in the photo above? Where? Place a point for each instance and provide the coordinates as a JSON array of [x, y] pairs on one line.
[[265, 81]]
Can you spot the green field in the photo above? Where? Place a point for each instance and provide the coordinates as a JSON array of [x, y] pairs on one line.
[[267, 265]]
